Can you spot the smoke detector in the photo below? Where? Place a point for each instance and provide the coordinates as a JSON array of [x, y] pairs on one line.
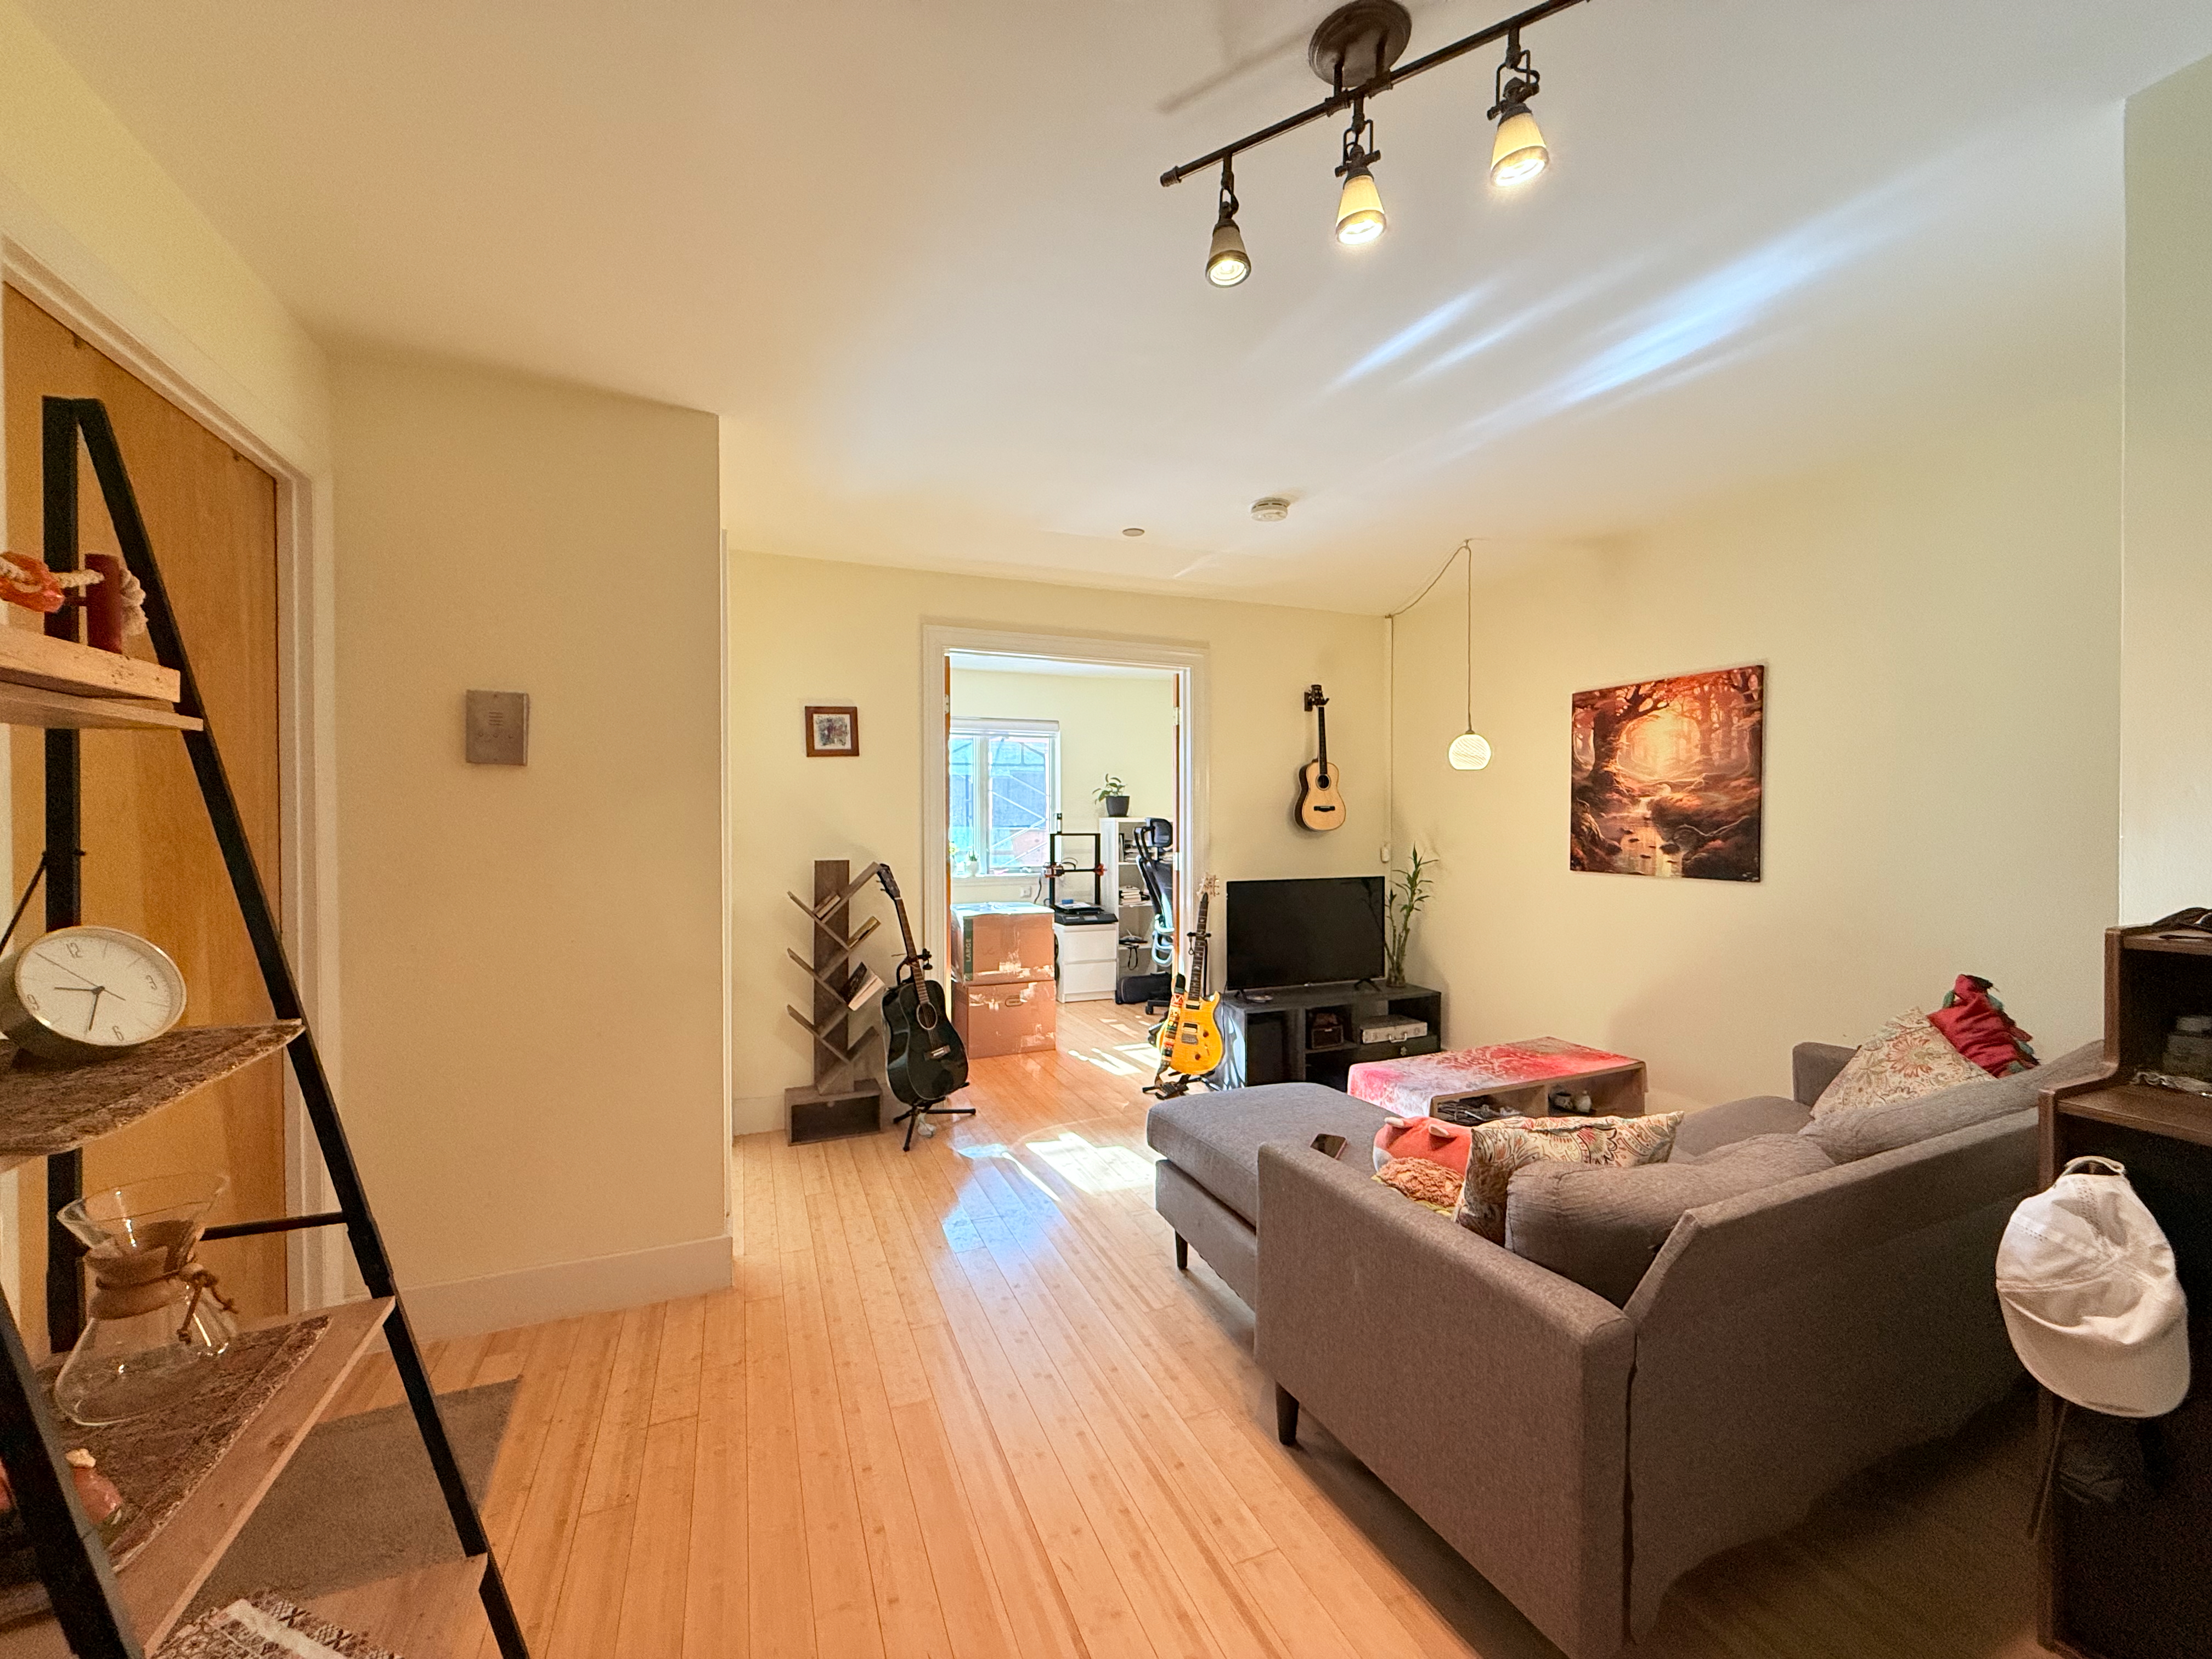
[[1270, 509]]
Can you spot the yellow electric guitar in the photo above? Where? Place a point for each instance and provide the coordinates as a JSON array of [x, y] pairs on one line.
[[1320, 802], [1190, 1036]]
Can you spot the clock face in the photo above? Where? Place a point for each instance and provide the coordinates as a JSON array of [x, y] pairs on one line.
[[99, 985]]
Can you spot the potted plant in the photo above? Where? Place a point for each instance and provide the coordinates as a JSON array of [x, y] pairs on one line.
[[1409, 895], [1112, 803]]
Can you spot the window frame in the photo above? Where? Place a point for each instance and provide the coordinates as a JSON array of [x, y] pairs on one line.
[[986, 727]]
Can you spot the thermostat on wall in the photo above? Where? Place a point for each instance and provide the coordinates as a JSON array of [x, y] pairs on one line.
[[498, 728]]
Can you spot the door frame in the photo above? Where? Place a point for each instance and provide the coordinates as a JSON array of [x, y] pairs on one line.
[[124, 328], [1188, 663]]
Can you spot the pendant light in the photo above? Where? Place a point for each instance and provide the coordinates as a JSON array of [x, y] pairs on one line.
[[1519, 154], [1359, 204], [1226, 262], [1469, 751]]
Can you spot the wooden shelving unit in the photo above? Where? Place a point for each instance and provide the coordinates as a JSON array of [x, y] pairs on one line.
[[842, 1100], [94, 1609], [159, 1582]]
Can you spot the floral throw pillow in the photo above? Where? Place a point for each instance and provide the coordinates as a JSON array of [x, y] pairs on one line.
[[1906, 1058], [1513, 1143]]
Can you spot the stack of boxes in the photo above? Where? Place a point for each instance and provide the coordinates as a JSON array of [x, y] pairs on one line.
[[1002, 998]]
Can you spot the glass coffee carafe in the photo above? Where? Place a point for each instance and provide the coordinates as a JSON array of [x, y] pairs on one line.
[[157, 1318]]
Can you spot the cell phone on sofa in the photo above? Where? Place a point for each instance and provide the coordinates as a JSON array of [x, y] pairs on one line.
[[1329, 1146]]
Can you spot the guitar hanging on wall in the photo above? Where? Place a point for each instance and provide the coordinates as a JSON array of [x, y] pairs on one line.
[[1320, 802]]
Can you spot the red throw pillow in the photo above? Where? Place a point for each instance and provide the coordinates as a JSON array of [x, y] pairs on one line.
[[1429, 1137], [1977, 1025]]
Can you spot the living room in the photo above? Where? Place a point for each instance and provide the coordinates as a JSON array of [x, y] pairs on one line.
[[1863, 354]]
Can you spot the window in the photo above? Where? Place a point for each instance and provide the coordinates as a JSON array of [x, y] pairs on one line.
[[1004, 792]]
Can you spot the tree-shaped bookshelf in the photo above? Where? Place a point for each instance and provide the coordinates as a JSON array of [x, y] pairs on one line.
[[844, 1098]]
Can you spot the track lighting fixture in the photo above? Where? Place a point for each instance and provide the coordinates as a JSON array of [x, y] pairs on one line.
[[1356, 50], [1226, 262], [1519, 154], [1359, 204]]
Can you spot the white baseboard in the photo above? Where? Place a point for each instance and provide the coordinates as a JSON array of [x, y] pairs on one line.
[[749, 1114], [532, 1296]]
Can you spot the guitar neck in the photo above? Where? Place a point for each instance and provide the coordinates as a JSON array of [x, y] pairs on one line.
[[906, 932], [1321, 715]]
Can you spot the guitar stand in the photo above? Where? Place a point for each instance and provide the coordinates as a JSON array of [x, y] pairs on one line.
[[914, 1115]]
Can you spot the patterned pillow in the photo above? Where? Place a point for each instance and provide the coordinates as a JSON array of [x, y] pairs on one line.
[[1510, 1143], [1432, 1185], [1906, 1058]]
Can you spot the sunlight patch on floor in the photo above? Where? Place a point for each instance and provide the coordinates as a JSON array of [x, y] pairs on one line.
[[1091, 1169]]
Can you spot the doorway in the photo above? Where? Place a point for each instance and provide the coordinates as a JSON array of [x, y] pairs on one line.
[[1063, 778]]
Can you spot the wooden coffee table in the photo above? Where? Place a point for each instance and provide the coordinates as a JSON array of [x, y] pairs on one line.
[[1518, 1076]]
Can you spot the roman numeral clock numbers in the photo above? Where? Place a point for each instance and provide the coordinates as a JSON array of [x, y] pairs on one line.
[[82, 992]]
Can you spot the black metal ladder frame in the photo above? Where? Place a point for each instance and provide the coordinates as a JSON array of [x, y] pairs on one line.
[[73, 1564]]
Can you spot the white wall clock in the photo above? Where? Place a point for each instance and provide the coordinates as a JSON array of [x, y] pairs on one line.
[[83, 993]]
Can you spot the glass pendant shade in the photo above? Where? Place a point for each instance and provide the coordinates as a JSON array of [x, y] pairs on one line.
[[1359, 209], [1226, 262], [1519, 154], [1470, 753]]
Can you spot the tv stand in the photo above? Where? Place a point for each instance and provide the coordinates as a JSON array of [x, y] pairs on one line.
[[1268, 1036]]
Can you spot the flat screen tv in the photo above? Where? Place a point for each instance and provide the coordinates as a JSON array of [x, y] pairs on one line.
[[1303, 932]]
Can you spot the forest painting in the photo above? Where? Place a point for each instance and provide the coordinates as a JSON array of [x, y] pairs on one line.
[[1668, 775]]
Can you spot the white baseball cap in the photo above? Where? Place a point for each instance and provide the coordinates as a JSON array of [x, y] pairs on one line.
[[2086, 1278]]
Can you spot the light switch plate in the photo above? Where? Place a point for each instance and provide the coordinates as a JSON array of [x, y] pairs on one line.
[[499, 728]]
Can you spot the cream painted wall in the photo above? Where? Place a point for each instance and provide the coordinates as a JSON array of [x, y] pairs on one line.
[[1941, 628], [533, 956], [1107, 723], [2165, 747], [809, 631]]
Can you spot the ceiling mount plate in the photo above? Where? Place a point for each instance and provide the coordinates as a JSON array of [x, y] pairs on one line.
[[1359, 42]]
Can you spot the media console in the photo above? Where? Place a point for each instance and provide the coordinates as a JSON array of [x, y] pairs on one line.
[[1270, 1036]]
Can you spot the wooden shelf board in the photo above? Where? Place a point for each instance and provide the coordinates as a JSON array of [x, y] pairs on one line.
[[47, 1108], [161, 1580], [421, 1615], [2139, 1106], [27, 705], [29, 656], [2175, 944]]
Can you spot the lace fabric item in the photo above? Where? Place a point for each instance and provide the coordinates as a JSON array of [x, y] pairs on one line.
[[268, 1627]]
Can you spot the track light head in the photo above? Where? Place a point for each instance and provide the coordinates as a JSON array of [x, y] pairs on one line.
[[1519, 154], [1227, 264], [1360, 216]]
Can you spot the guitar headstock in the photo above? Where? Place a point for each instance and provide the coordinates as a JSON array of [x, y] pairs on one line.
[[890, 882], [1314, 699]]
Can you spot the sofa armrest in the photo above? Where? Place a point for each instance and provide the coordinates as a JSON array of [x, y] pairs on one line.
[[1487, 1392], [1813, 1067]]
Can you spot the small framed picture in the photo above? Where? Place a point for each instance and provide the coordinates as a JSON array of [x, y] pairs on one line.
[[832, 732]]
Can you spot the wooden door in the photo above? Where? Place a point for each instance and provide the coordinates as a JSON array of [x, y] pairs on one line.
[[151, 864]]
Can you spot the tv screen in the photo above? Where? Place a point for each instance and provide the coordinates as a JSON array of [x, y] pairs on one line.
[[1303, 932]]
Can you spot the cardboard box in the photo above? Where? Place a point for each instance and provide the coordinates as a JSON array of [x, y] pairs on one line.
[[1002, 943], [1014, 1017]]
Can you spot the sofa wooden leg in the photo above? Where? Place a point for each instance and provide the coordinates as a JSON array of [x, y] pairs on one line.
[[1286, 1416], [1182, 1253]]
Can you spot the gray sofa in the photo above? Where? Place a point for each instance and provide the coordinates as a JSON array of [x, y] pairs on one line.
[[1780, 1340]]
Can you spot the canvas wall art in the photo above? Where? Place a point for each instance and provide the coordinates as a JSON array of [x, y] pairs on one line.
[[1668, 776]]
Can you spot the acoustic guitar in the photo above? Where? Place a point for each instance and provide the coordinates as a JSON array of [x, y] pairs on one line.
[[1320, 802], [1190, 1037], [925, 1061]]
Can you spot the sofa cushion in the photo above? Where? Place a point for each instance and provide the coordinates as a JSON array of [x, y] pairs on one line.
[[1906, 1058], [1502, 1147], [1215, 1139], [1864, 1131], [1738, 1120], [1601, 1226]]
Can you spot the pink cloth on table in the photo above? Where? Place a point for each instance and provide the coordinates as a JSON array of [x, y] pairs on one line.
[[1406, 1087]]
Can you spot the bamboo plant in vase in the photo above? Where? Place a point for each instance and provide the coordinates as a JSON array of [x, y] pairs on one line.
[[1409, 893]]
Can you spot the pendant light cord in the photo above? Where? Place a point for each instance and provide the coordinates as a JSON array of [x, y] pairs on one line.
[[1466, 548]]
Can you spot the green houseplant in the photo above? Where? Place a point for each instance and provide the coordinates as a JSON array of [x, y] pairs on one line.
[[1409, 893], [1112, 803]]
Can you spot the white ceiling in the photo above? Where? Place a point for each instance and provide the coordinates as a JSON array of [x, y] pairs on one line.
[[917, 257]]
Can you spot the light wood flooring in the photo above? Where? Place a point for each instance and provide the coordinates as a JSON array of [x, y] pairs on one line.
[[960, 1403]]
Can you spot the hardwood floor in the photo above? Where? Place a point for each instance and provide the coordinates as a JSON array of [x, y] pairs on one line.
[[960, 1403]]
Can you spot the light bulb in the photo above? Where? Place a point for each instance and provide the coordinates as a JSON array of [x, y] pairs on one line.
[[1470, 753], [1519, 154], [1359, 209], [1226, 262]]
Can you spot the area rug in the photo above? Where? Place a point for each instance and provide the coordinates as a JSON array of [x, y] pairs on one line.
[[359, 1502]]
